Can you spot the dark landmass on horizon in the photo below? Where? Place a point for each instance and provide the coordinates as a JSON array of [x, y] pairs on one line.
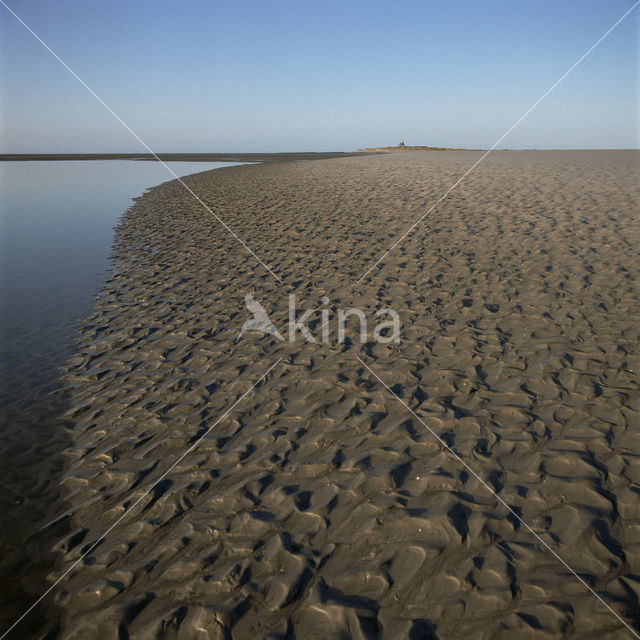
[[250, 157], [217, 157], [181, 157]]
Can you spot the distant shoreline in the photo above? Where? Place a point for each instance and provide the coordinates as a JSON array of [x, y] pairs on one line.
[[248, 157], [181, 157]]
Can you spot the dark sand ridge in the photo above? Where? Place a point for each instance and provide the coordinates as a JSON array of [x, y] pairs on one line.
[[320, 506]]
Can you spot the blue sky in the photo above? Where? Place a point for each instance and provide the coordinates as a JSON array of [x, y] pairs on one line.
[[299, 75]]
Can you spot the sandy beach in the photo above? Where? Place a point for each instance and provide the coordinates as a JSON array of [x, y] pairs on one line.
[[319, 505]]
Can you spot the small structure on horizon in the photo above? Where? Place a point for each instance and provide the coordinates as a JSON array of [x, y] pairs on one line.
[[401, 143]]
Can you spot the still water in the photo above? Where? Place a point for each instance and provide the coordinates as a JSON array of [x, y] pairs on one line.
[[56, 231]]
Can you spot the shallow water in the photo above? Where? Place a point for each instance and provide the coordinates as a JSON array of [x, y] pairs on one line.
[[56, 230]]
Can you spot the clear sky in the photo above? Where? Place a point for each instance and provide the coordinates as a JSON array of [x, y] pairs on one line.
[[269, 75]]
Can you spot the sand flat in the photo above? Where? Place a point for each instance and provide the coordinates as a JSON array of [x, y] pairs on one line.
[[320, 507]]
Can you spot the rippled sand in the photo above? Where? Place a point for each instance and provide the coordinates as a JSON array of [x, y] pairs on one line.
[[320, 506]]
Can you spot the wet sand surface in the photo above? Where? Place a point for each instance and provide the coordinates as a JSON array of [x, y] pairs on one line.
[[319, 506]]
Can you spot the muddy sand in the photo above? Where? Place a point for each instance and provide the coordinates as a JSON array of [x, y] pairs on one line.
[[317, 504]]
